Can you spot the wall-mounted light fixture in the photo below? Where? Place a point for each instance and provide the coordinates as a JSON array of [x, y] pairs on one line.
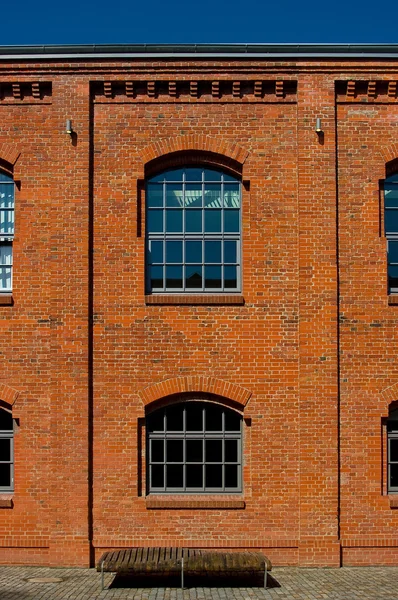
[[318, 125], [68, 128]]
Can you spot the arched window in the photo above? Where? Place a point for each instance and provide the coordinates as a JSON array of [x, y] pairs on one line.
[[391, 229], [194, 447], [6, 451], [193, 231], [6, 231]]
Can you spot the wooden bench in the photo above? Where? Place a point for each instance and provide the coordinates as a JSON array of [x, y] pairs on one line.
[[184, 562]]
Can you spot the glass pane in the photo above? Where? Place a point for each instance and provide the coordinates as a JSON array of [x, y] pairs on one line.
[[213, 476], [231, 221], [155, 221], [193, 174], [174, 476], [6, 222], [174, 252], [194, 416], [212, 252], [230, 277], [5, 278], [213, 418], [390, 196], [156, 277], [232, 421], [5, 449], [193, 252], [392, 252], [5, 254], [193, 276], [157, 476], [193, 221], [157, 178], [157, 451], [212, 221], [156, 421], [394, 475], [231, 450], [212, 175], [174, 175], [174, 197], [4, 177], [173, 221], [213, 277], [194, 474], [5, 475], [229, 178], [5, 420], [156, 252], [6, 195], [174, 451], [173, 277], [391, 221], [154, 195], [193, 195], [174, 418], [231, 476], [194, 451], [393, 278], [213, 195], [230, 255], [231, 195], [213, 451], [393, 450]]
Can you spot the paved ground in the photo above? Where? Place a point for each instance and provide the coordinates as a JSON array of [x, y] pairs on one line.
[[349, 583]]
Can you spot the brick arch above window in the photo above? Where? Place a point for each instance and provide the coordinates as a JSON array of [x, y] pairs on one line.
[[195, 143], [389, 153], [8, 394], [390, 394], [198, 384], [9, 154]]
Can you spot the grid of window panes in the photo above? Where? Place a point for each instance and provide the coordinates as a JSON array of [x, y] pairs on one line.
[[193, 231], [6, 231], [392, 438], [391, 229], [194, 447], [6, 451]]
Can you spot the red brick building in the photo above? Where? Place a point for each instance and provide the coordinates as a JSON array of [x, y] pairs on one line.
[[198, 301]]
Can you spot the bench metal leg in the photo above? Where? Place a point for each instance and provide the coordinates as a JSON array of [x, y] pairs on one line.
[[265, 576], [182, 573], [102, 576]]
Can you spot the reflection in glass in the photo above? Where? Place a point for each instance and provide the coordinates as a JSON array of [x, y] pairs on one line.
[[230, 252], [193, 276], [193, 195], [391, 196], [173, 277], [174, 197], [156, 277], [231, 195], [213, 277], [230, 278], [213, 196], [154, 195], [393, 277]]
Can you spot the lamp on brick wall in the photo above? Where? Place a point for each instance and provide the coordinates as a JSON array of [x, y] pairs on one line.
[[68, 128], [318, 125]]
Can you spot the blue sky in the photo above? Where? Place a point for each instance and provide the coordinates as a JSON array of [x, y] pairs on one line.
[[203, 21]]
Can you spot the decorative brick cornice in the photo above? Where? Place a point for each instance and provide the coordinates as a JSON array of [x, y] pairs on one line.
[[366, 91], [203, 143], [25, 91], [8, 394], [196, 383], [201, 90]]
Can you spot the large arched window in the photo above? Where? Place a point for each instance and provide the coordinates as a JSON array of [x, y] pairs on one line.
[[6, 231], [194, 447], [193, 231], [6, 451], [391, 229]]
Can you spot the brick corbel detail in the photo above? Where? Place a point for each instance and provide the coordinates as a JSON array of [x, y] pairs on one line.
[[200, 384], [194, 142], [9, 153], [8, 394]]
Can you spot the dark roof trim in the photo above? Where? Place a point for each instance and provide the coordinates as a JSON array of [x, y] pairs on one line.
[[200, 50]]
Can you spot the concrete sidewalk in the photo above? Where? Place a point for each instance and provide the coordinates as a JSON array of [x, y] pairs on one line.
[[348, 583]]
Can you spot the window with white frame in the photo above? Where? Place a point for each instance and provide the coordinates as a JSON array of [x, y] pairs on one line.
[[6, 451], [194, 447], [6, 231], [193, 225]]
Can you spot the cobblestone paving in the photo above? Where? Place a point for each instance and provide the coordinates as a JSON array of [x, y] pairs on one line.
[[349, 583]]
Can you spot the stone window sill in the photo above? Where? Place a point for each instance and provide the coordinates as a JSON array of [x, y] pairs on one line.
[[6, 299], [205, 299], [194, 502], [6, 501]]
